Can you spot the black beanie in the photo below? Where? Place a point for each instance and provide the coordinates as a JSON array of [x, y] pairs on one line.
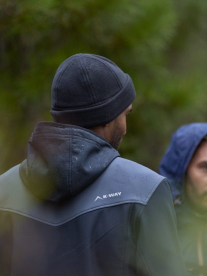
[[90, 90]]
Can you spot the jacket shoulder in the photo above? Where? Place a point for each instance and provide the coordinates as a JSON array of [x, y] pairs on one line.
[[9, 185], [123, 182], [9, 175], [132, 169], [139, 182]]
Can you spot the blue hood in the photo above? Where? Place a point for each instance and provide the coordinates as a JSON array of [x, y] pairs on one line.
[[179, 153]]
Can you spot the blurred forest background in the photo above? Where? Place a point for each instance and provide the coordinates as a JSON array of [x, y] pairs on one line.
[[162, 44]]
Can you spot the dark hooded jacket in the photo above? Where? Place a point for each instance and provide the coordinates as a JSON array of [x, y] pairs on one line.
[[74, 207], [192, 227]]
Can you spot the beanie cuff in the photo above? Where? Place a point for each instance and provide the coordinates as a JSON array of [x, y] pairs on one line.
[[100, 114]]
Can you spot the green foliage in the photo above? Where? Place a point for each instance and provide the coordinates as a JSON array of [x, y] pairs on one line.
[[160, 43]]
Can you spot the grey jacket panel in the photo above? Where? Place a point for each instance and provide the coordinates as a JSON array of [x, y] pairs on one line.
[[122, 182]]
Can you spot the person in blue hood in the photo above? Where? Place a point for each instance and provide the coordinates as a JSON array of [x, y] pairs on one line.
[[185, 166], [74, 207]]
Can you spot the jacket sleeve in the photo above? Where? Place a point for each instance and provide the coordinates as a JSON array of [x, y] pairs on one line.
[[157, 240]]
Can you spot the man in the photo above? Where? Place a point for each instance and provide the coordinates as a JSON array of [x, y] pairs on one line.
[[74, 206], [185, 165]]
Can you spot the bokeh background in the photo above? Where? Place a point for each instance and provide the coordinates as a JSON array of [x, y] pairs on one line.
[[162, 44]]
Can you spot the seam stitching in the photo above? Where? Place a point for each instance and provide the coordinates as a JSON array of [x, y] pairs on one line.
[[73, 217]]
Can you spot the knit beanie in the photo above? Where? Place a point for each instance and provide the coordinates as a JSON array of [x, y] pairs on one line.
[[90, 90]]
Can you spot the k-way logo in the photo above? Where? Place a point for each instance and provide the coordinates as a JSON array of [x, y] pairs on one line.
[[107, 196]]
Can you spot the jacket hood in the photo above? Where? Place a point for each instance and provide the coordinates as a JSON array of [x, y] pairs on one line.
[[62, 160], [179, 153]]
